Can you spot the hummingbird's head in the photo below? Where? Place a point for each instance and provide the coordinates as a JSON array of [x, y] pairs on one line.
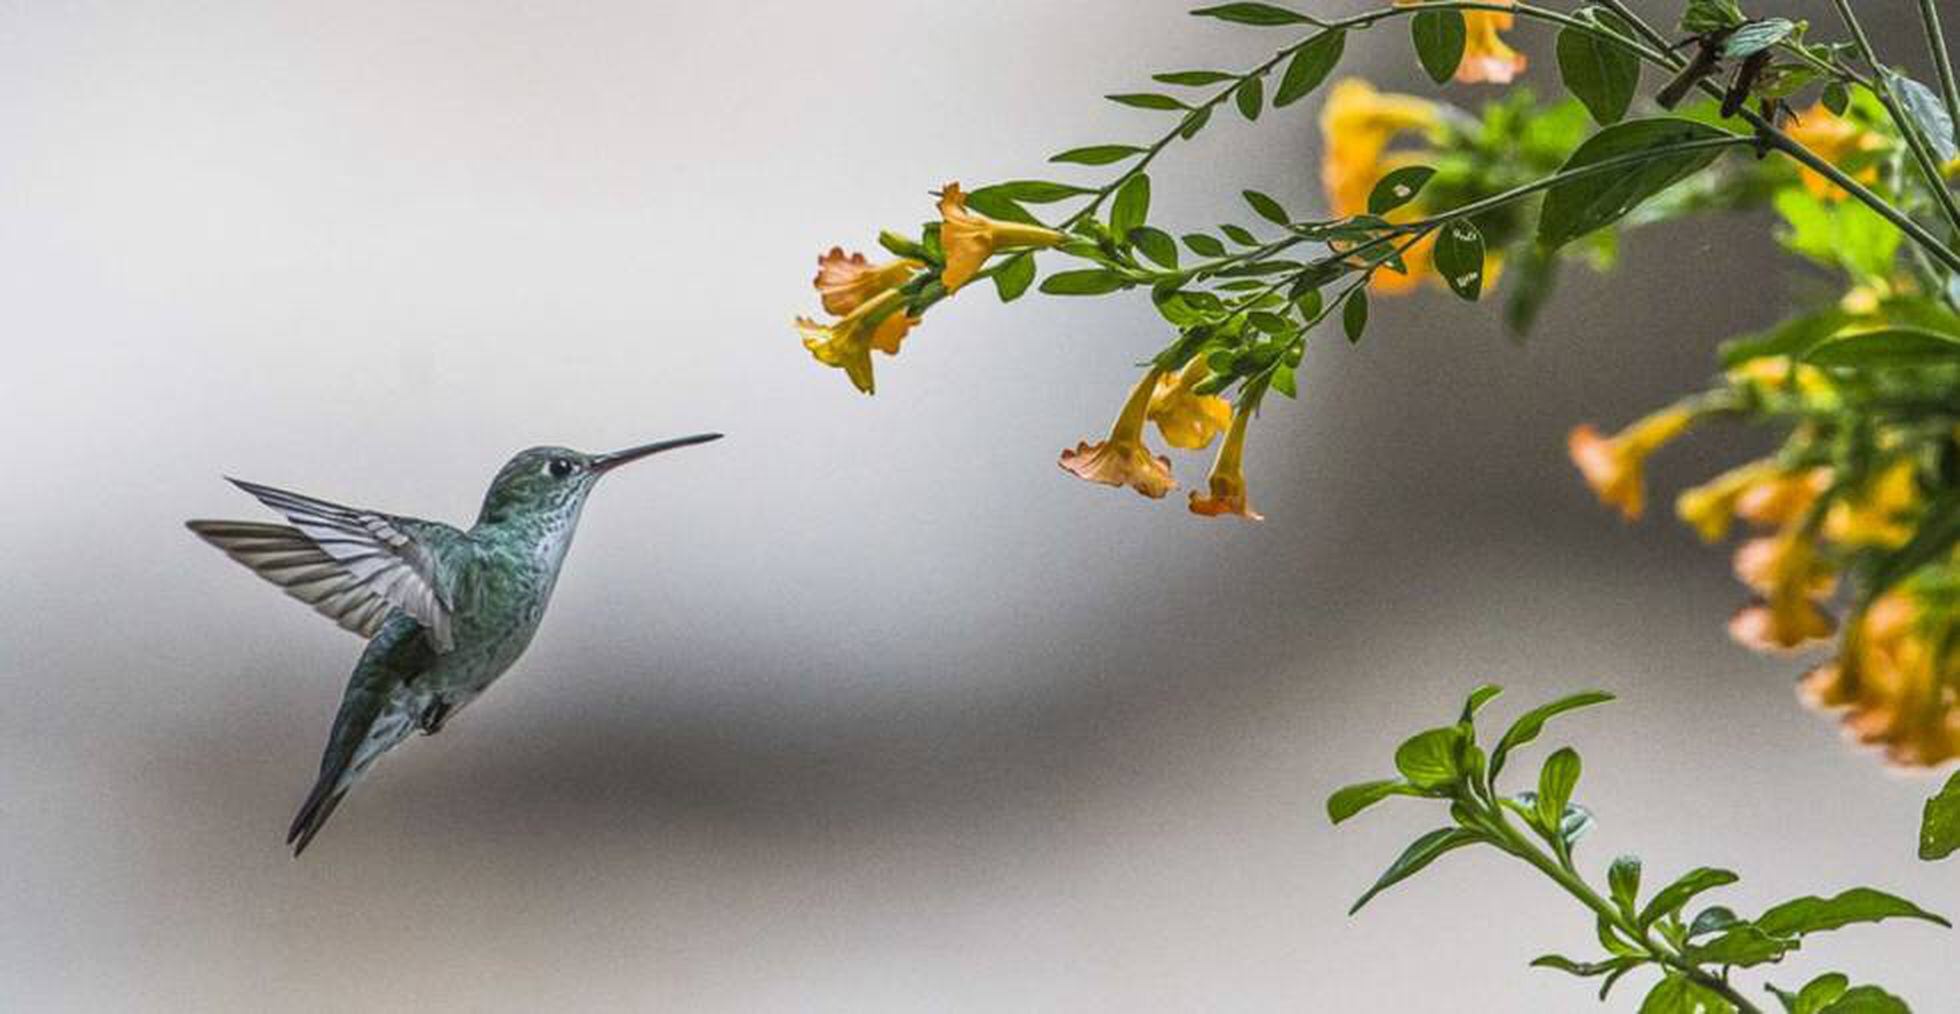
[[553, 482]]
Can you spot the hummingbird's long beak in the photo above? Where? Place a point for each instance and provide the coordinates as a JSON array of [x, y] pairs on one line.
[[607, 462]]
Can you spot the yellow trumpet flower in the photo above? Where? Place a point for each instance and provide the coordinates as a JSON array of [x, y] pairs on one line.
[[878, 323], [1123, 459], [969, 238], [1895, 681], [1187, 420], [847, 281], [1615, 467], [1227, 480]]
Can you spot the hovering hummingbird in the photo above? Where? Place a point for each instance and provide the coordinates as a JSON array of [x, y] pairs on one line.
[[445, 612]]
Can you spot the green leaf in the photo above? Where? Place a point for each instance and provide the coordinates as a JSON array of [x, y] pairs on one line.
[[1583, 969], [1429, 759], [1014, 277], [1843, 234], [1267, 208], [1531, 723], [1146, 100], [1670, 898], [1478, 697], [1928, 113], [1623, 878], [1713, 919], [1600, 74], [1250, 97], [1354, 315], [1157, 245], [995, 204], [1310, 67], [1439, 37], [1579, 206], [1239, 235], [1203, 245], [1420, 853], [1939, 831], [1555, 783], [1194, 123], [1866, 1000], [1756, 36], [1460, 258], [1098, 154], [1192, 77], [1891, 347], [1743, 945], [1836, 98], [1812, 914], [1088, 282], [1285, 382], [1398, 188], [1678, 994], [1816, 995], [1703, 16], [1353, 799], [1131, 207], [1253, 14], [1033, 191]]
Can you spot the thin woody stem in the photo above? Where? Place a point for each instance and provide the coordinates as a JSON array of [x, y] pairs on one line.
[[1922, 154], [1929, 13]]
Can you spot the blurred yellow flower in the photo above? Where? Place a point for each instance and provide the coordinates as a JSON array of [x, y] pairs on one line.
[[879, 323], [1777, 375], [1834, 139], [1486, 59], [970, 238], [1783, 497], [1122, 459], [1710, 507], [1187, 420], [846, 281], [1785, 570], [1615, 467], [1879, 514], [1356, 126], [1897, 680], [1227, 480]]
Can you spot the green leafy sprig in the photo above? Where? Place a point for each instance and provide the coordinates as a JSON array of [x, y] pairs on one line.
[[1695, 955]]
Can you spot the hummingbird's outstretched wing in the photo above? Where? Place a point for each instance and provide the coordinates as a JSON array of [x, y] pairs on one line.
[[351, 565]]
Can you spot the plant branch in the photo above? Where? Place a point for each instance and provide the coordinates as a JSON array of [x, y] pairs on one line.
[[1922, 154], [1929, 13]]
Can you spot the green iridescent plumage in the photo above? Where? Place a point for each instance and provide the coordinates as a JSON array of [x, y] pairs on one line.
[[446, 611]]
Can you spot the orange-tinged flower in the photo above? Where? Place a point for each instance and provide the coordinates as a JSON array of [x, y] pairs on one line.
[[1356, 126], [1710, 507], [1783, 497], [969, 238], [1878, 515], [1897, 680], [879, 323], [1227, 480], [1122, 459], [1187, 420], [847, 281], [1836, 140], [1486, 59], [1785, 570], [1615, 467]]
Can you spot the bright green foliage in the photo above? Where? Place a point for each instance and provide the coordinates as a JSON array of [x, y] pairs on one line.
[[1694, 958], [1939, 831]]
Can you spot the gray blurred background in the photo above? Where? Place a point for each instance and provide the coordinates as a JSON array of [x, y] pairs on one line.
[[868, 707]]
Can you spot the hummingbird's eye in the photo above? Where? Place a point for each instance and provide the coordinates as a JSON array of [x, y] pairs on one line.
[[561, 468]]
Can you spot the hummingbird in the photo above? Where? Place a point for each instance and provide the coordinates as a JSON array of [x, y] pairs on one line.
[[444, 611]]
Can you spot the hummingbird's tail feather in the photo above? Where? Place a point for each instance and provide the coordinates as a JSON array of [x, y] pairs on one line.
[[314, 813]]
